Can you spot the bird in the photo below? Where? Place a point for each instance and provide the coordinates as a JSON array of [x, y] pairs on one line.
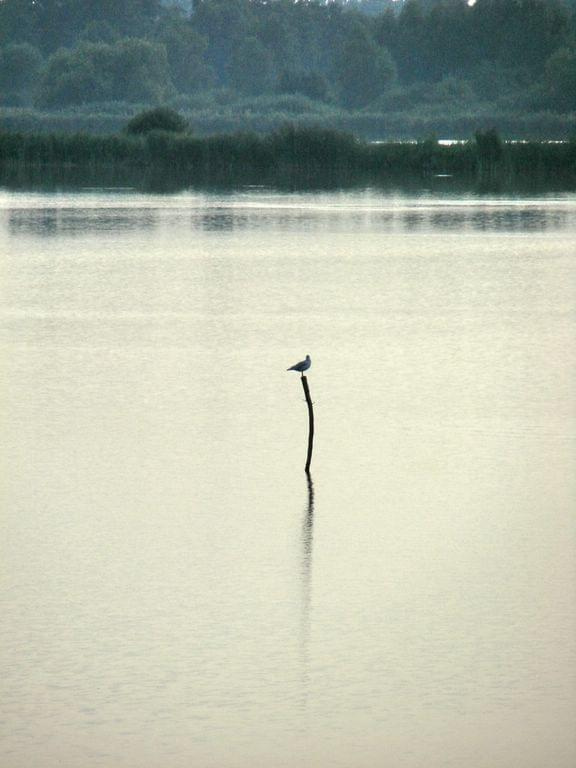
[[302, 366]]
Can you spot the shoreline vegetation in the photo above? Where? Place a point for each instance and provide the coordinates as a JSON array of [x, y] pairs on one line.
[[390, 70], [308, 150], [265, 115]]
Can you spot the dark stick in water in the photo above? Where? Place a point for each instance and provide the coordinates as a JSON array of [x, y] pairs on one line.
[[304, 381]]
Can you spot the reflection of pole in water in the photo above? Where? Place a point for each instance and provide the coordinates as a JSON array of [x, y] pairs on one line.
[[307, 547], [308, 528]]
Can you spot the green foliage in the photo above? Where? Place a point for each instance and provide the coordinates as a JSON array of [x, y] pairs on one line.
[[159, 119], [129, 70], [397, 68], [489, 147], [451, 37], [451, 90], [99, 32], [519, 32], [250, 68], [286, 103], [224, 23], [363, 70], [311, 84], [312, 145], [61, 23], [20, 66], [448, 95], [310, 150], [186, 50], [60, 149], [18, 22], [141, 71], [221, 112], [561, 77]]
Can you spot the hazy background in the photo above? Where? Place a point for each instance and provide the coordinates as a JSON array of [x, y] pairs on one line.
[[382, 69]]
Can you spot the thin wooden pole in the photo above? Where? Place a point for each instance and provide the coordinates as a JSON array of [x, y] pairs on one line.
[[304, 381]]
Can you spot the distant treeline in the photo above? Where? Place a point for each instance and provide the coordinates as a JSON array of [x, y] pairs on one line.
[[313, 150], [372, 66]]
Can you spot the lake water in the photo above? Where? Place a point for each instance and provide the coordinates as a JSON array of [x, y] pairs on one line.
[[174, 593]]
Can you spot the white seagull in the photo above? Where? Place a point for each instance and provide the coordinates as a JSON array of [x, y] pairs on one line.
[[302, 366]]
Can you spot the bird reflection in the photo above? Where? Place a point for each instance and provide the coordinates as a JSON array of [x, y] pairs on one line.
[[306, 571]]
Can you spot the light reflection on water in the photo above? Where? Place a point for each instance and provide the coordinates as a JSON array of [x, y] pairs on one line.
[[291, 213], [175, 592]]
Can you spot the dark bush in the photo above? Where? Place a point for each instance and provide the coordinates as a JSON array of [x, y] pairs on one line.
[[159, 119], [489, 145]]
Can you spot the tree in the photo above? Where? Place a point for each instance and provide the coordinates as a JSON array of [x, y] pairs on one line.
[[185, 49], [141, 72], [277, 34], [18, 22], [62, 21], [364, 70], [71, 77], [20, 65], [52, 24], [224, 23], [409, 42], [448, 45], [519, 32], [130, 70], [560, 76], [250, 69], [98, 32], [159, 119], [489, 148]]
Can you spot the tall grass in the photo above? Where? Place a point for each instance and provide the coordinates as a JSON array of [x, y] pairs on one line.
[[64, 149], [304, 148]]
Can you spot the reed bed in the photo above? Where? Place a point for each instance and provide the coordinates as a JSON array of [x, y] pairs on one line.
[[314, 149]]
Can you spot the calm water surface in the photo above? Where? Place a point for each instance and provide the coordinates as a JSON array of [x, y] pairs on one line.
[[174, 594]]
